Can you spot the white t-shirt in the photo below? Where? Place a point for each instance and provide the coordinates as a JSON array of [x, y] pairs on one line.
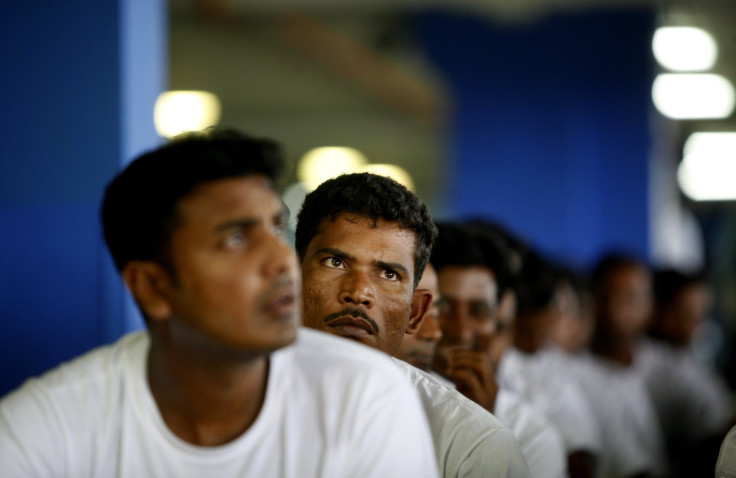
[[538, 440], [726, 464], [543, 382], [692, 402], [332, 409], [469, 441], [630, 432]]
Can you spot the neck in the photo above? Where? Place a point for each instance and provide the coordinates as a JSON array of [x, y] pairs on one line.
[[525, 345], [204, 400], [620, 352]]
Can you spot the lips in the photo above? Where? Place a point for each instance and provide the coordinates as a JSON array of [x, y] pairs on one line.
[[348, 326], [282, 303]]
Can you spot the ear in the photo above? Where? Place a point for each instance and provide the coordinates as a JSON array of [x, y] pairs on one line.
[[148, 282], [420, 305]]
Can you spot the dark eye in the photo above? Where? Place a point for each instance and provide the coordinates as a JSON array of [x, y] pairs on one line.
[[280, 225], [280, 229], [480, 310], [334, 262], [389, 275], [235, 240]]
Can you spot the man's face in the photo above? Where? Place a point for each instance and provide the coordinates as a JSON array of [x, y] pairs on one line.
[[357, 280], [625, 302], [235, 277], [682, 319], [418, 349], [468, 317]]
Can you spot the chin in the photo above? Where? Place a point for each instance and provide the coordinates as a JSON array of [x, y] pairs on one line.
[[283, 337], [361, 340]]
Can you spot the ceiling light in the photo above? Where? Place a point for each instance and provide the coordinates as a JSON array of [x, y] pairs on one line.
[[708, 168], [397, 173], [684, 48], [693, 95], [176, 112], [320, 164]]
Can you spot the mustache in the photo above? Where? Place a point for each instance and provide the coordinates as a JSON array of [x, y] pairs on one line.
[[353, 312]]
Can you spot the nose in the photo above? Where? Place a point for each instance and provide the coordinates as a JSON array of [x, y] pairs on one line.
[[356, 289], [279, 257], [456, 327]]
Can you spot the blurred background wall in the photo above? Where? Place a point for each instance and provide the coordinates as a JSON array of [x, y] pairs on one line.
[[537, 114]]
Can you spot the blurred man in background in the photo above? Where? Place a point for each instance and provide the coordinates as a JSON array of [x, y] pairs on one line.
[[472, 276]]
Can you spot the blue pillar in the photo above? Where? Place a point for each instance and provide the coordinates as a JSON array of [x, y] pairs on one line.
[[76, 102], [550, 133]]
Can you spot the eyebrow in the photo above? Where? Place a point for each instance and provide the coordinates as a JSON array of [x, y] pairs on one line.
[[335, 252], [393, 266], [282, 216], [344, 255]]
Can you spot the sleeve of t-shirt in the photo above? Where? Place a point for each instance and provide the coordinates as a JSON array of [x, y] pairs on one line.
[[571, 414], [392, 437], [539, 441], [705, 406], [726, 464], [498, 452], [31, 438]]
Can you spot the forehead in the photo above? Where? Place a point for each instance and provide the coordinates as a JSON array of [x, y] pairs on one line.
[[469, 283], [627, 276], [364, 237], [253, 192]]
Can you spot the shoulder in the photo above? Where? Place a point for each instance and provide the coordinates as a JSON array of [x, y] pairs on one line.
[[540, 442], [330, 351], [95, 372], [68, 408], [317, 359], [726, 464], [438, 398], [466, 435]]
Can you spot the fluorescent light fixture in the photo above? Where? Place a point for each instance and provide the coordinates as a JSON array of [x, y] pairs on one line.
[[176, 112], [708, 168], [684, 48], [320, 164], [397, 173], [693, 95]]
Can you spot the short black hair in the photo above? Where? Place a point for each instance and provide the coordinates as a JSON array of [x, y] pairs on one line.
[[369, 195], [669, 283], [613, 261], [516, 247], [504, 253], [466, 245], [540, 279], [139, 210]]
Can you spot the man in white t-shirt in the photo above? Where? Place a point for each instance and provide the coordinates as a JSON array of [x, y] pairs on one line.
[[631, 431], [364, 241], [223, 382], [472, 277], [539, 441]]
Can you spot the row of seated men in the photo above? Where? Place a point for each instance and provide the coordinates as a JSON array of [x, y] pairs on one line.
[[609, 368], [225, 381]]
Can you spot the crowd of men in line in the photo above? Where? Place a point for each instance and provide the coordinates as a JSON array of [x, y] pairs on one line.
[[386, 344]]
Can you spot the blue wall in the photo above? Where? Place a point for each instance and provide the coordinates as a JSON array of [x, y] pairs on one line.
[[62, 114], [549, 135], [550, 132]]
